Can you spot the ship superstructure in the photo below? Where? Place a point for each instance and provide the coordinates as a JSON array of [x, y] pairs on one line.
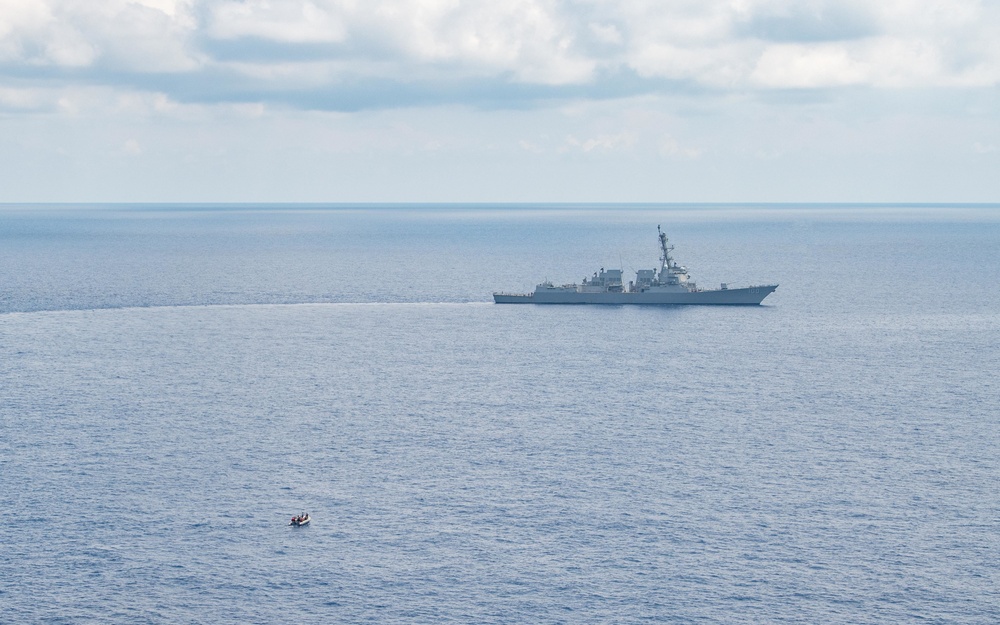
[[670, 285]]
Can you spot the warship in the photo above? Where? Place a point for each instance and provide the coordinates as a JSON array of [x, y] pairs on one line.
[[670, 285]]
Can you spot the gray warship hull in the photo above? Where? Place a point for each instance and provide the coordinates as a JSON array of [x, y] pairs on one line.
[[669, 286], [749, 296]]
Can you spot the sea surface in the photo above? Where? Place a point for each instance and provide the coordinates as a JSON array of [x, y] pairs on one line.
[[177, 381]]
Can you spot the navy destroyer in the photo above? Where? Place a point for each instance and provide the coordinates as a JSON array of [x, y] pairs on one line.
[[670, 285]]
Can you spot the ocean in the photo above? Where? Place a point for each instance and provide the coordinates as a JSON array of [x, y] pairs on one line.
[[177, 381]]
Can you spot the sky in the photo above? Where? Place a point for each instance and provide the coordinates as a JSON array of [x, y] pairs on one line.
[[512, 101]]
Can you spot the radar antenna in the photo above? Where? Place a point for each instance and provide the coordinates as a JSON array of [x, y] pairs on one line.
[[665, 261]]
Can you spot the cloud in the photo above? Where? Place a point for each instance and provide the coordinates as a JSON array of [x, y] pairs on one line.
[[132, 147], [523, 40], [529, 146], [290, 21], [807, 21], [671, 147], [801, 66], [601, 143], [148, 36], [351, 55], [32, 33], [21, 99], [606, 33]]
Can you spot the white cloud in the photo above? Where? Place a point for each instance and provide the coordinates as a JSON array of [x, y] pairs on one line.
[[528, 39], [21, 99], [797, 65], [173, 8], [141, 39], [132, 147], [671, 147], [229, 49], [720, 66], [601, 143], [640, 98], [606, 33], [291, 21], [144, 36], [886, 62], [30, 33], [529, 146], [805, 20], [67, 47]]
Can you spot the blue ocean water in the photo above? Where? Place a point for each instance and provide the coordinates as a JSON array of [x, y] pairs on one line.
[[177, 381]]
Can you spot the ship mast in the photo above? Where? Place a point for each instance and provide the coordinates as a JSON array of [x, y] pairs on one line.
[[665, 261]]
